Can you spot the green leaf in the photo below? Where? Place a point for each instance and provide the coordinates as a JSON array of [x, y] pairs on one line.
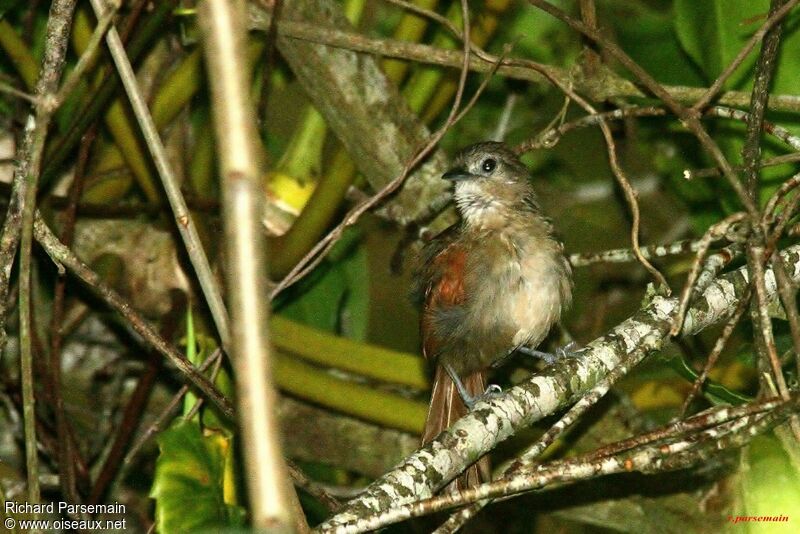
[[337, 298], [713, 31], [648, 36], [713, 391], [771, 486], [191, 486]]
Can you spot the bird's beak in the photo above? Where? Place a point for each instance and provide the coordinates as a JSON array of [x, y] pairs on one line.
[[457, 174]]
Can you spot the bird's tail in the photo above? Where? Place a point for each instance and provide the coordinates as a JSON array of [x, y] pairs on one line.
[[445, 408]]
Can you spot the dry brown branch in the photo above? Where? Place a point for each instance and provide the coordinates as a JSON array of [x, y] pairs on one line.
[[272, 501], [691, 450], [775, 17], [715, 353], [183, 220], [717, 231], [515, 68]]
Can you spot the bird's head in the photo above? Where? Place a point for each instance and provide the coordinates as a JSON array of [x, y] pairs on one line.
[[491, 185]]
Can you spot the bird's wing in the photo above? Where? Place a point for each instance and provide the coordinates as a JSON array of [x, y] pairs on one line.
[[444, 293]]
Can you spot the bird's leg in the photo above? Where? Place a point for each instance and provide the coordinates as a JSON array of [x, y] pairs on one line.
[[549, 358], [492, 390]]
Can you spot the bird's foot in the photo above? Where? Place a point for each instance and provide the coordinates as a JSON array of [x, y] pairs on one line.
[[492, 392], [549, 358]]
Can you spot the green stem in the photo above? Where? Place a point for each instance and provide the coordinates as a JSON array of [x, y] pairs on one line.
[[303, 157], [324, 203], [310, 383], [430, 89], [411, 28], [201, 168], [320, 209], [370, 361]]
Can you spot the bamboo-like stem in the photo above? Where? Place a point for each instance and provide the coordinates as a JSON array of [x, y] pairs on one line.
[[18, 53], [222, 24], [123, 130], [185, 224]]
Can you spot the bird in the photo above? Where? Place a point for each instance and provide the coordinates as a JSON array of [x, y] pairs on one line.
[[493, 283]]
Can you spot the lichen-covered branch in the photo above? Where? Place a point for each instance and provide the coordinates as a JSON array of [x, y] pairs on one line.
[[438, 462]]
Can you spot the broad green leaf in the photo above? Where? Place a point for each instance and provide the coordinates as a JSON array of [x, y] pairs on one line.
[[770, 488], [648, 36], [336, 299], [193, 486], [713, 31]]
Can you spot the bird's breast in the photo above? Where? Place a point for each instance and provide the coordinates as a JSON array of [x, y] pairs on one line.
[[519, 292]]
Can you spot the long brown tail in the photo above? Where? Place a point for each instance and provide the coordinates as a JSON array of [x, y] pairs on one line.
[[445, 408]]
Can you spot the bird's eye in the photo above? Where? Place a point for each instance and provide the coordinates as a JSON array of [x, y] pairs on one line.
[[488, 165]]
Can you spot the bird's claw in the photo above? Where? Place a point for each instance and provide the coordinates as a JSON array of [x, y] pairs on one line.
[[551, 357], [492, 392]]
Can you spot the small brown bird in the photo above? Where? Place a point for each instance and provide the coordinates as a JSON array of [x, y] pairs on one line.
[[492, 284]]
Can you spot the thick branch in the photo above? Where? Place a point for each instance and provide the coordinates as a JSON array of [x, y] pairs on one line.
[[240, 161], [364, 109], [435, 464], [607, 86]]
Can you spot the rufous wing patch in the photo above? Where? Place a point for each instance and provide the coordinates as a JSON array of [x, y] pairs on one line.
[[445, 290]]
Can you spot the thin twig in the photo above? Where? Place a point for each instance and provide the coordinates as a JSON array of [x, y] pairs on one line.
[[709, 172], [315, 490], [765, 68], [13, 91], [630, 194], [715, 232], [532, 452], [625, 255], [87, 59], [788, 292], [700, 421], [774, 18], [719, 345], [432, 466], [66, 447], [61, 254], [26, 180], [135, 407], [186, 226], [757, 256], [687, 116], [765, 339], [684, 453], [714, 265], [213, 359]]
